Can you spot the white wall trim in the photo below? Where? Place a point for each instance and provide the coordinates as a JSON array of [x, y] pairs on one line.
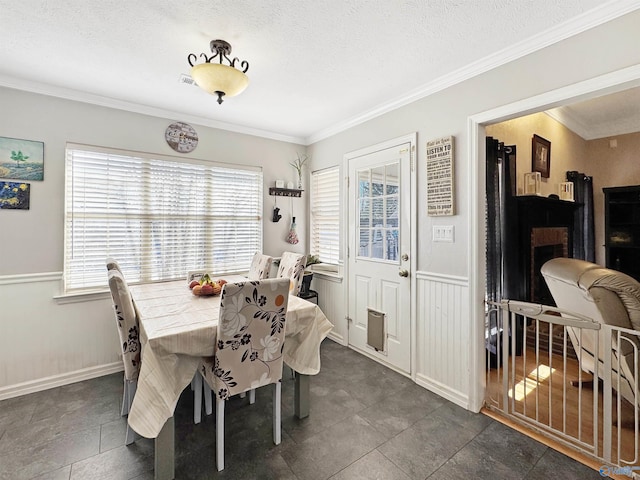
[[53, 381], [604, 84], [597, 16], [442, 278], [30, 278], [444, 391], [336, 337]]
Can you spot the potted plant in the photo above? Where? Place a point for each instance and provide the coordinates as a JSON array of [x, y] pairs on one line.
[[307, 276]]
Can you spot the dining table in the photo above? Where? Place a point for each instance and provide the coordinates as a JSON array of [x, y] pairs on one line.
[[178, 329]]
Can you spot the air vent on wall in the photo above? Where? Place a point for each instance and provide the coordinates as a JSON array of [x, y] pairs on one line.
[[186, 79]]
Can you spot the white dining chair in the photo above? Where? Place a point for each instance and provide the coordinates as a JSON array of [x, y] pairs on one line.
[[128, 331], [260, 267], [248, 348], [292, 267], [131, 376]]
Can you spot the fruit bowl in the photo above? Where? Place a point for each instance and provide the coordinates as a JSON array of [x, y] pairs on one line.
[[206, 287]]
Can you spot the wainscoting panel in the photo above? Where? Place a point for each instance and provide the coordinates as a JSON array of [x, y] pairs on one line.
[[331, 298], [443, 326], [44, 343]]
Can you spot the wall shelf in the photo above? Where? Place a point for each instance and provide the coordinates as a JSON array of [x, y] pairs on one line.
[[285, 192]]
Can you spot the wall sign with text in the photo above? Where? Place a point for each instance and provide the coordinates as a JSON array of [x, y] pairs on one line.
[[440, 187]]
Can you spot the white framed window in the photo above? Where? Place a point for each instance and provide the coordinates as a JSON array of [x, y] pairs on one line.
[[158, 217], [325, 214]]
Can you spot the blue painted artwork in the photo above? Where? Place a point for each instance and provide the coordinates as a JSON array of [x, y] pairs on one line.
[[21, 159], [14, 196]]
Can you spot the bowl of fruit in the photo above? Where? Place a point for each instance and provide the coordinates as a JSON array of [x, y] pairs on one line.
[[206, 287]]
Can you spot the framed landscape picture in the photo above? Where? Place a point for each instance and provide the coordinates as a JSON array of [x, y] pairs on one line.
[[21, 159], [14, 196]]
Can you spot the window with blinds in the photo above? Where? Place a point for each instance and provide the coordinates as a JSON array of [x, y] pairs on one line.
[[157, 217], [325, 215]]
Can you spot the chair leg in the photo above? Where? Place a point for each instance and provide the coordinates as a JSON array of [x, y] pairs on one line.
[[130, 387], [197, 398], [277, 397], [125, 398], [208, 406], [252, 396], [130, 436], [220, 433]]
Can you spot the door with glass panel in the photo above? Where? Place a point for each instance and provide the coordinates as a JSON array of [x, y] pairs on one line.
[[379, 300]]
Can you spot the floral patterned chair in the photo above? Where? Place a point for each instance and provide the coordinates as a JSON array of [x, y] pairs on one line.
[[292, 267], [260, 267], [128, 331], [248, 350]]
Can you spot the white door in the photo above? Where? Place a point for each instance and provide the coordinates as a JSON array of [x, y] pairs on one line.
[[379, 251]]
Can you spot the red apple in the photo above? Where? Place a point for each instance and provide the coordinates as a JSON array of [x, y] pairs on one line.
[[207, 289], [221, 282], [194, 283]]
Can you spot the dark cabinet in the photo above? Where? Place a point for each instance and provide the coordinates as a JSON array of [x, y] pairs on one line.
[[622, 229]]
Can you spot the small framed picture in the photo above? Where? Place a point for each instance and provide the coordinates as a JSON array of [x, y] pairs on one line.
[[541, 156], [21, 159]]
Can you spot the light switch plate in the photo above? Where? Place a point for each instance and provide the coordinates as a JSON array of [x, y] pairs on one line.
[[443, 233]]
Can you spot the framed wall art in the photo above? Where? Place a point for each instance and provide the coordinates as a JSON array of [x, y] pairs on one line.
[[440, 200], [541, 156], [21, 159], [14, 196]]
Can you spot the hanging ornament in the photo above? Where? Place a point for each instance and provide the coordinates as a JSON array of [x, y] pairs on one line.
[[292, 236]]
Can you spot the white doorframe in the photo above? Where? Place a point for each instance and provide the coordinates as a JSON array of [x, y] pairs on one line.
[[408, 138], [605, 84]]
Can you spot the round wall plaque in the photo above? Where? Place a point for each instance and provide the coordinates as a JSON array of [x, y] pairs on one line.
[[182, 137]]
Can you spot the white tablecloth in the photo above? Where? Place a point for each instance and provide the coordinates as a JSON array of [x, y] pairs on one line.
[[178, 328]]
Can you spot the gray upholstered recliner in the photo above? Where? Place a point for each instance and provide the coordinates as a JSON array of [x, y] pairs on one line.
[[610, 298]]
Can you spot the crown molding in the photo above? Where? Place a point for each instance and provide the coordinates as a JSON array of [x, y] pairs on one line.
[[563, 115], [593, 18], [83, 97]]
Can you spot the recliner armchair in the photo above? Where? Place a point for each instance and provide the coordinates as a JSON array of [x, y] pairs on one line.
[[610, 298]]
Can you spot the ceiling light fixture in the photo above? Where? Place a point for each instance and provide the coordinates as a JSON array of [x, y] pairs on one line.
[[218, 78]]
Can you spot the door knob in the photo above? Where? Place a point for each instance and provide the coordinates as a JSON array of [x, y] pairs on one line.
[[403, 273]]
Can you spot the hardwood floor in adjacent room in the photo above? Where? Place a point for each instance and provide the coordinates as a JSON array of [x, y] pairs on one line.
[[539, 399]]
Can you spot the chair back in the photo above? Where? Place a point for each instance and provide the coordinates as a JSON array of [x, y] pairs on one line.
[[292, 267], [112, 264], [248, 352], [608, 297], [127, 324], [260, 267]]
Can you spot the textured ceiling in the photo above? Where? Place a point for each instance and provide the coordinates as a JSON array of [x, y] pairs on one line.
[[313, 64]]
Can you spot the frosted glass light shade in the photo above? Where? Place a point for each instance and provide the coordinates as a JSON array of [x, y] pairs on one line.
[[215, 77]]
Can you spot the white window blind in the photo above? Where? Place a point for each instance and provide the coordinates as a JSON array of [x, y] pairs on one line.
[[325, 215], [158, 218]]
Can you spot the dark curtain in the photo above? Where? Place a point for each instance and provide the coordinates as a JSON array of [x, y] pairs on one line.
[[501, 233], [583, 230], [501, 226]]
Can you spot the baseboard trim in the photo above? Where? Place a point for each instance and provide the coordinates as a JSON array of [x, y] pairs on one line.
[[444, 391], [53, 381], [337, 338]]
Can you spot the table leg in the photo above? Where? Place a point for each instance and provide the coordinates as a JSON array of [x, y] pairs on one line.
[[302, 395], [165, 452]]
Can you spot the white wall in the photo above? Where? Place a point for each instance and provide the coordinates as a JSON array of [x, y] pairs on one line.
[[598, 51], [42, 340]]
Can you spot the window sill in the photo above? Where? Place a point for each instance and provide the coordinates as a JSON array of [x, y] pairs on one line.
[[79, 297]]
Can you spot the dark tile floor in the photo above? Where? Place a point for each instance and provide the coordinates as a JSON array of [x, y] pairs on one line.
[[367, 422]]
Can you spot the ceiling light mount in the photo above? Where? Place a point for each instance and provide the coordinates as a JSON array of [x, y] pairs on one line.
[[219, 78]]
